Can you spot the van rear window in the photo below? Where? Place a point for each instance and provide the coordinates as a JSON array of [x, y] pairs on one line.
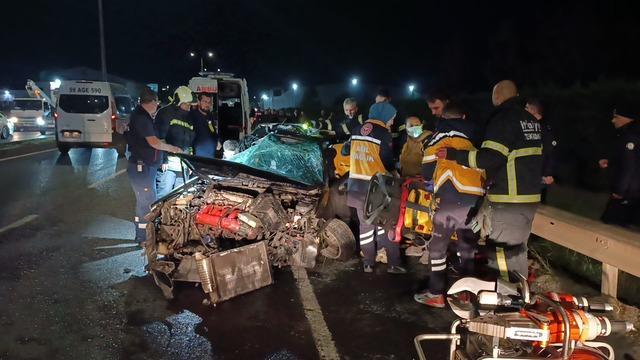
[[83, 104]]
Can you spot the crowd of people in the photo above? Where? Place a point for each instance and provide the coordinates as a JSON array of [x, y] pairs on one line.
[[487, 180]]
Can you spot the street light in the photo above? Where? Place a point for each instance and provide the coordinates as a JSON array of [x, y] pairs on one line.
[[209, 54], [354, 81], [294, 86], [264, 97], [411, 88]]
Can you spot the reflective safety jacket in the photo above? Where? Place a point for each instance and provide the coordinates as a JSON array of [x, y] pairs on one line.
[[370, 153], [511, 155], [452, 134], [175, 126], [345, 127]]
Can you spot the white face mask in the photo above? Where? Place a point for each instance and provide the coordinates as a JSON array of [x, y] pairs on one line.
[[414, 131]]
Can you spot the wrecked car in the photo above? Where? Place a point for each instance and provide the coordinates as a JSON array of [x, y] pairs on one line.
[[267, 206]]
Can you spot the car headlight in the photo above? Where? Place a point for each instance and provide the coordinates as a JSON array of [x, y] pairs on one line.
[[40, 121], [13, 119]]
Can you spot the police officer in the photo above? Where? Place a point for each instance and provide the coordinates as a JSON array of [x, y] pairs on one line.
[[624, 203], [145, 158], [511, 155], [205, 124], [176, 128], [370, 152], [457, 190]]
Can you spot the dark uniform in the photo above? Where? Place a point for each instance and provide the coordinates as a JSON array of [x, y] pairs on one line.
[[549, 144], [457, 190], [176, 128], [346, 126], [370, 153], [511, 155], [143, 166], [626, 168], [206, 137]]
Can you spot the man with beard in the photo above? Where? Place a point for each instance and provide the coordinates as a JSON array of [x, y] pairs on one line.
[[205, 125]]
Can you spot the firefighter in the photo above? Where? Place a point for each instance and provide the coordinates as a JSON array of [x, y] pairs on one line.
[[457, 191], [350, 122], [205, 125], [623, 207], [411, 155], [145, 157], [511, 155], [370, 153], [175, 126]]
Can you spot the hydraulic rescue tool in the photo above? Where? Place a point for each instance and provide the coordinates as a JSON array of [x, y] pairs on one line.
[[507, 321]]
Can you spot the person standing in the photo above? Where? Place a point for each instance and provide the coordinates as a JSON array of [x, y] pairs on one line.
[[623, 207], [370, 154], [549, 143], [511, 155], [206, 127], [457, 191], [411, 155], [145, 157], [352, 120], [176, 128]]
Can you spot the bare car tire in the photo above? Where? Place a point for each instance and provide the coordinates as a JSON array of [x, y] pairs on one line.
[[339, 242], [5, 133]]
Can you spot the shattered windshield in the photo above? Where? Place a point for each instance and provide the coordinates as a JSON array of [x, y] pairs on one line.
[[293, 158]]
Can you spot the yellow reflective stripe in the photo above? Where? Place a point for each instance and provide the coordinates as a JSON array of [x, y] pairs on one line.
[[345, 129], [402, 127], [211, 128], [514, 199], [181, 123], [511, 169], [473, 161], [502, 263], [429, 158], [488, 144], [328, 122], [360, 119]]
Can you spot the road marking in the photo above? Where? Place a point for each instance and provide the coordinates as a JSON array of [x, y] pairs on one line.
[[321, 334], [29, 154], [117, 173], [19, 223]]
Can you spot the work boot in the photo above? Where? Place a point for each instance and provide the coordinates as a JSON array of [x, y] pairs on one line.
[[396, 270], [368, 268], [429, 299]]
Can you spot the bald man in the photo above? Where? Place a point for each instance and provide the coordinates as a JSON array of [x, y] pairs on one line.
[[511, 155]]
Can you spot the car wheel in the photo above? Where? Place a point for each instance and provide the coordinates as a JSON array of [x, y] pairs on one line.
[[64, 149], [338, 240], [4, 133]]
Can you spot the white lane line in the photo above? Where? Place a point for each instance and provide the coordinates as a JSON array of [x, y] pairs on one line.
[[117, 173], [321, 334], [29, 154], [18, 223]]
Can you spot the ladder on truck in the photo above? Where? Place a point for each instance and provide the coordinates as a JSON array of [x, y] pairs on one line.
[[35, 92]]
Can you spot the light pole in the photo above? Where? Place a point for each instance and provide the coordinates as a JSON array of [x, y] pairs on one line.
[[103, 55], [294, 86], [209, 54]]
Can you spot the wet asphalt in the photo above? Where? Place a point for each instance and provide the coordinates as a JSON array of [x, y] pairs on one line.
[[72, 284]]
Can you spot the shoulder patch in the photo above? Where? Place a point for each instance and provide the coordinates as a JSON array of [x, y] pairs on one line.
[[366, 129], [631, 146]]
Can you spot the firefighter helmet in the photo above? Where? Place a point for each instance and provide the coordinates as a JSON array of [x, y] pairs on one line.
[[183, 95]]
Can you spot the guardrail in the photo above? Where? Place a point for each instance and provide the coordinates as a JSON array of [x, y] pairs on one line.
[[617, 248]]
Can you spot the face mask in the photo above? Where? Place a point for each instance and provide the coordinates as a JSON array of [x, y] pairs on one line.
[[414, 131]]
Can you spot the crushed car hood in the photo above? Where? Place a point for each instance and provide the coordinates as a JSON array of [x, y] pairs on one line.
[[206, 167]]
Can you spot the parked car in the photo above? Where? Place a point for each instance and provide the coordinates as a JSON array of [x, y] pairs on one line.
[[6, 127]]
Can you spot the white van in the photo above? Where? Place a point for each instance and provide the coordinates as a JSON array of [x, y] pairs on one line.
[[92, 114], [31, 114]]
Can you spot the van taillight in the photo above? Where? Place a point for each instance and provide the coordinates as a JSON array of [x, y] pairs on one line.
[[55, 115]]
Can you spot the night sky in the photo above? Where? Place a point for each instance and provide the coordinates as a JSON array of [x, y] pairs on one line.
[[460, 45]]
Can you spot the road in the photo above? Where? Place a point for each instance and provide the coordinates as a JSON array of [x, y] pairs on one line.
[[72, 284], [27, 135]]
